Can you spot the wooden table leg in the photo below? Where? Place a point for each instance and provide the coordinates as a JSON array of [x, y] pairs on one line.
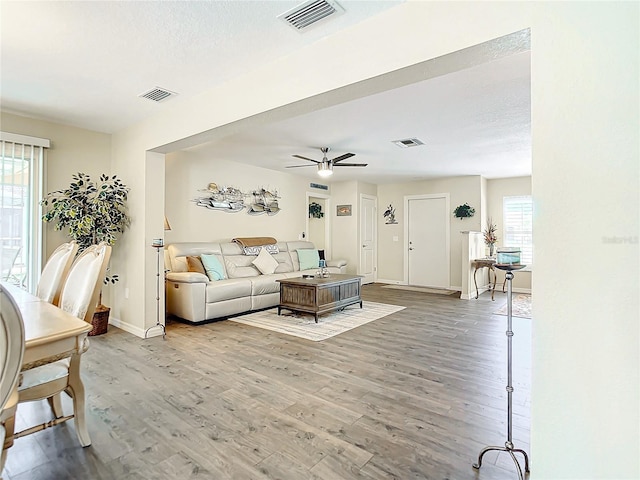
[[76, 389], [474, 280]]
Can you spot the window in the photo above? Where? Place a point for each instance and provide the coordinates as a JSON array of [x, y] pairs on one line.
[[518, 225], [21, 160]]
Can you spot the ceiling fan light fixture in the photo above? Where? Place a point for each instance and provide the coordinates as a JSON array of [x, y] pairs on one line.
[[325, 169]]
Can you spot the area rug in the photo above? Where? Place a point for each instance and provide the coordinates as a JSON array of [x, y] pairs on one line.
[[520, 306], [438, 291], [329, 324]]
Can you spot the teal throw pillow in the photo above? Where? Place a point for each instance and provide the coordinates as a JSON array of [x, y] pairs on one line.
[[308, 258], [213, 267]]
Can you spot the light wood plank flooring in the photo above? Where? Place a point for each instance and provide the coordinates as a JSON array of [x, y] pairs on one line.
[[415, 395]]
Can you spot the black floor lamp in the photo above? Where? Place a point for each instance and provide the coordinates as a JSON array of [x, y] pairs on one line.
[[158, 244], [508, 446]]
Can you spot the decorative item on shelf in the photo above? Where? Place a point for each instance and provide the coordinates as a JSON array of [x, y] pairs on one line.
[[264, 201], [390, 215], [508, 256], [490, 237], [464, 211], [92, 212], [343, 210], [315, 210], [226, 199]]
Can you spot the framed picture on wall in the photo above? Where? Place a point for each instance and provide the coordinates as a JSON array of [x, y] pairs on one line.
[[343, 210]]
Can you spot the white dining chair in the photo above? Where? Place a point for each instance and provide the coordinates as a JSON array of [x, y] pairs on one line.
[[79, 297], [55, 271], [11, 354]]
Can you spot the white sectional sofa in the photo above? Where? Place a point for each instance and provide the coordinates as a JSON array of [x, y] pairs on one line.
[[194, 297]]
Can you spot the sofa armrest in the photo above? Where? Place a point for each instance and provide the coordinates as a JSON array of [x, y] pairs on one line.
[[187, 277], [336, 263]]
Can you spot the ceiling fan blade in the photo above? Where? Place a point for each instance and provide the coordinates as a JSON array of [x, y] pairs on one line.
[[342, 157], [351, 165], [305, 158], [297, 166]]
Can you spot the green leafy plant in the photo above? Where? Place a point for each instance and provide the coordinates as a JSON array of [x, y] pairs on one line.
[[315, 210], [464, 211], [90, 212]]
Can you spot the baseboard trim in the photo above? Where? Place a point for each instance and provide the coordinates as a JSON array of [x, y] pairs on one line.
[[390, 282], [132, 329]]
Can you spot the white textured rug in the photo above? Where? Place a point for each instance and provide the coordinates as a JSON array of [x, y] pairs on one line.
[[303, 325]]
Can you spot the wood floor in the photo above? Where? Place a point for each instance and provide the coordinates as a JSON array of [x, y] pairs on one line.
[[415, 395]]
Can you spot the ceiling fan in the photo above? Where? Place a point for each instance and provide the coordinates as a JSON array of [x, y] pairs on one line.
[[325, 166]]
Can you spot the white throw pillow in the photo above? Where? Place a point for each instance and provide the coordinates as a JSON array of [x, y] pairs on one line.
[[265, 262]]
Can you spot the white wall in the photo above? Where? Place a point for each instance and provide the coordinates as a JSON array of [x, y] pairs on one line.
[[391, 254], [188, 173], [72, 150]]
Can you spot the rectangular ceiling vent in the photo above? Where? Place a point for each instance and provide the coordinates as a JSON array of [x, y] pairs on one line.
[[309, 13], [408, 142], [158, 94]]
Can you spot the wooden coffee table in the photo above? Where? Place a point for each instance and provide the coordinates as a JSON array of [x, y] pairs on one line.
[[319, 295]]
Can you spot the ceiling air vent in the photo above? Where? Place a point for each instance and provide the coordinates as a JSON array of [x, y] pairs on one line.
[[408, 142], [158, 94], [308, 13]]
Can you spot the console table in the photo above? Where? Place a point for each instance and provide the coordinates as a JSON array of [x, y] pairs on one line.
[[482, 263]]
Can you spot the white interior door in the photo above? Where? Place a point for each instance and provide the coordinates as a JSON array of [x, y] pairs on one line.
[[367, 239], [428, 240]]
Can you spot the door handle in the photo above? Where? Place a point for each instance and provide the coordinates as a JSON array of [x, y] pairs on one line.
[[410, 248], [364, 246]]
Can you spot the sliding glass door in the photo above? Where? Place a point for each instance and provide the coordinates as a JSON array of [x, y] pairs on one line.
[[21, 189]]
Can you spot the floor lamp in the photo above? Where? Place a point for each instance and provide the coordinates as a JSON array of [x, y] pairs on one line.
[[508, 446], [158, 244]]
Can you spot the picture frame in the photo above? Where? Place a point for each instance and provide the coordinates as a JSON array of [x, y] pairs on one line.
[[343, 210]]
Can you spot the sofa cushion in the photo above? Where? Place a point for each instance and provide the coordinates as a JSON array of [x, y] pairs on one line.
[[308, 258], [194, 264], [178, 253], [240, 266], [227, 290], [213, 267], [265, 284], [265, 262]]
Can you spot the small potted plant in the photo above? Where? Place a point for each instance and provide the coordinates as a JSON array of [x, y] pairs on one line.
[[91, 212]]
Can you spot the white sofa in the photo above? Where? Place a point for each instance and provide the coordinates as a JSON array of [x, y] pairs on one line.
[[193, 297]]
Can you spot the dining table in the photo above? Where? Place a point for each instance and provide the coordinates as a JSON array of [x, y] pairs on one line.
[[51, 334]]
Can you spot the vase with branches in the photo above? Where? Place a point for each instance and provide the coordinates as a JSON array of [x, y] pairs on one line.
[[490, 236]]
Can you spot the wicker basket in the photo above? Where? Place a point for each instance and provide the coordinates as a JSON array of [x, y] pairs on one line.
[[100, 321]]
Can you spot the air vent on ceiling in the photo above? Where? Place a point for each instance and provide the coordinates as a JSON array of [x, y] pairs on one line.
[[308, 13], [408, 142], [158, 94]]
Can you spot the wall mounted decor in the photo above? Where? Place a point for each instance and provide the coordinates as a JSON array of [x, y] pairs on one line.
[[315, 210], [343, 210], [464, 211], [390, 215], [226, 199], [264, 201]]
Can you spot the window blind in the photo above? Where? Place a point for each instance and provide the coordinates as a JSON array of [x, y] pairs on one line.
[[518, 225]]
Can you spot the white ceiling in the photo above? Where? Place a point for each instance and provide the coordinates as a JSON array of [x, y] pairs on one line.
[[85, 63]]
